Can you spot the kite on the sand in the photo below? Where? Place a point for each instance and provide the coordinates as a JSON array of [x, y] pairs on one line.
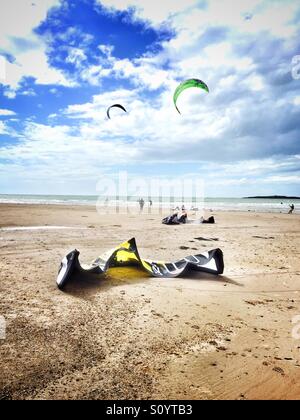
[[175, 219], [127, 255]]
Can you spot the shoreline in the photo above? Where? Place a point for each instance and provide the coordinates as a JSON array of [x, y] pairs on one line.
[[135, 210]]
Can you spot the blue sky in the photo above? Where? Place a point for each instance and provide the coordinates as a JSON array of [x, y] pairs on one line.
[[64, 62]]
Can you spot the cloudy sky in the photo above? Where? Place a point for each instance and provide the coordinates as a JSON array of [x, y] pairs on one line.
[[63, 62]]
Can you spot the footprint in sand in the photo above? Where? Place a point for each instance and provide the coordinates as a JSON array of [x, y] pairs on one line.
[[207, 239], [279, 370], [263, 237]]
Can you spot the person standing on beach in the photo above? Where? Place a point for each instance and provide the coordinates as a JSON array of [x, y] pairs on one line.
[[292, 208], [142, 203], [150, 206]]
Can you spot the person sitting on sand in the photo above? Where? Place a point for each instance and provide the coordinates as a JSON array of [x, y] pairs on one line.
[[292, 208]]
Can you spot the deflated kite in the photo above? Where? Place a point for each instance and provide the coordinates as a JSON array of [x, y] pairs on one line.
[[186, 85], [127, 255], [115, 106]]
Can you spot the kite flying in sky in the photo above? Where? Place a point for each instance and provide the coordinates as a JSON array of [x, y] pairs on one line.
[[114, 106], [186, 85]]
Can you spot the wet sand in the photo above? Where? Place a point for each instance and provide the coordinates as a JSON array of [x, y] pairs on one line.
[[128, 336]]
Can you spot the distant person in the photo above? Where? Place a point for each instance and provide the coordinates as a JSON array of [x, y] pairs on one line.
[[142, 203], [292, 208], [150, 206]]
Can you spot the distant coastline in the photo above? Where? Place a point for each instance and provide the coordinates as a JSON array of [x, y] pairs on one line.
[[276, 204], [274, 197]]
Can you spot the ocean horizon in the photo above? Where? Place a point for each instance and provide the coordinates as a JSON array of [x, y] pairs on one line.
[[269, 205]]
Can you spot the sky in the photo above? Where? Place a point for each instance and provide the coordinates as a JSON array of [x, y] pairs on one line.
[[64, 62]]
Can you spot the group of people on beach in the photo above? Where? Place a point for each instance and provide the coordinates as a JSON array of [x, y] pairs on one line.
[[183, 215], [141, 202]]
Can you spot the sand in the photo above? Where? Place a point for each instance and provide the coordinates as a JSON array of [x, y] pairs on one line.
[[128, 336]]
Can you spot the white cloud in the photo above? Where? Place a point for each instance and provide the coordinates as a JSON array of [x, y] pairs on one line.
[[53, 154], [17, 21], [6, 113], [255, 82], [141, 73], [297, 100], [26, 66], [106, 49], [3, 129], [76, 56], [188, 16], [155, 11], [96, 109], [191, 21], [28, 92], [53, 116], [9, 93], [284, 179], [6, 130], [272, 17]]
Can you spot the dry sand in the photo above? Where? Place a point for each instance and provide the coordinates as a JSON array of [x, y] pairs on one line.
[[128, 336]]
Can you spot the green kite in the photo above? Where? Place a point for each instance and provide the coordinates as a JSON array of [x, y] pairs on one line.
[[186, 85]]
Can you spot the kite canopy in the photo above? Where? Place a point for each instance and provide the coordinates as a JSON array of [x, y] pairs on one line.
[[115, 106], [186, 85], [127, 255]]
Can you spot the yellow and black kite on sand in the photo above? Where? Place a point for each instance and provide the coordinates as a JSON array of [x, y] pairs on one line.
[[127, 255]]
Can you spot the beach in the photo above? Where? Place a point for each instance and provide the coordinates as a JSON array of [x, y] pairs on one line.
[[128, 336]]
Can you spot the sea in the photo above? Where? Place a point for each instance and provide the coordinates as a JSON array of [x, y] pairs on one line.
[[262, 205]]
